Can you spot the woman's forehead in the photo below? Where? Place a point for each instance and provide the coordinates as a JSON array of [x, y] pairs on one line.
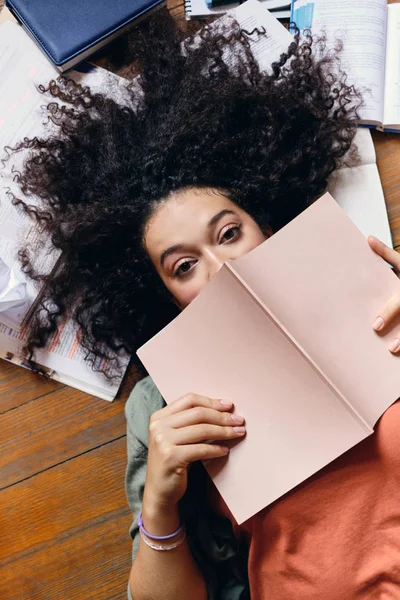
[[184, 216]]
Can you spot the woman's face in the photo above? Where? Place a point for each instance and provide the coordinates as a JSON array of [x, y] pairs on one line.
[[192, 234]]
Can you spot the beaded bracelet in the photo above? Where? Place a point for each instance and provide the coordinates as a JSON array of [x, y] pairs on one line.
[[161, 548], [156, 537]]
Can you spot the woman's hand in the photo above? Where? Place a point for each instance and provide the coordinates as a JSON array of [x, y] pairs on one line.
[[178, 436], [392, 307]]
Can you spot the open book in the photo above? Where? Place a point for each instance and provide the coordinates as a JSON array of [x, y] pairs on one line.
[[285, 332], [370, 32], [23, 114], [358, 188]]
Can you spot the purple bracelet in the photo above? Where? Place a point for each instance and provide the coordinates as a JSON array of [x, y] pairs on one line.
[[156, 537]]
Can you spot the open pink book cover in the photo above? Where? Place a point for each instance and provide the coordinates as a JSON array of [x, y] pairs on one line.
[[285, 332]]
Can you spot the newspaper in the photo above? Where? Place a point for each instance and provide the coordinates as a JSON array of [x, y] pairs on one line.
[[23, 115]]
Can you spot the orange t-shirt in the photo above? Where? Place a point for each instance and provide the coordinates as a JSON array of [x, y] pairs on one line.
[[336, 536]]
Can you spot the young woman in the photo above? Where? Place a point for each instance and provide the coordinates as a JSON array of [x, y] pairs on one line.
[[146, 202]]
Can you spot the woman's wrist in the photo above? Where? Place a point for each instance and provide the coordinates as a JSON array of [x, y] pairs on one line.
[[158, 518]]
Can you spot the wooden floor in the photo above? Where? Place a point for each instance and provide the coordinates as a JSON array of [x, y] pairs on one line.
[[64, 518]]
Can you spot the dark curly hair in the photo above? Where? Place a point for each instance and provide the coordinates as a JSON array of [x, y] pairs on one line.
[[269, 140]]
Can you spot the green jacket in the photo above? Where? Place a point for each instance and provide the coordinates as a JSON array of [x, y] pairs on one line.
[[214, 546]]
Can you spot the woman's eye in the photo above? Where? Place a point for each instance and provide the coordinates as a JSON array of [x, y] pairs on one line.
[[184, 268], [230, 234]]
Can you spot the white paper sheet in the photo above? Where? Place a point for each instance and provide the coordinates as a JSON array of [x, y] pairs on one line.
[[391, 114], [361, 25], [63, 360], [358, 190], [23, 114], [22, 68]]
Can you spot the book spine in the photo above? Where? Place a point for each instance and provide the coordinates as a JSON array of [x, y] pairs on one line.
[[296, 344]]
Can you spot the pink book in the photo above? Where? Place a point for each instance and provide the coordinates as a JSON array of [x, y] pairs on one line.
[[285, 332]]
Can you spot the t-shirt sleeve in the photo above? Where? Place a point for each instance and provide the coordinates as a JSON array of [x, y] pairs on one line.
[[143, 401]]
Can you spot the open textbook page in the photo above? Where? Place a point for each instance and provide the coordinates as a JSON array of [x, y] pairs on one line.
[[23, 114], [266, 48], [361, 26], [391, 113], [370, 32], [357, 189], [63, 360]]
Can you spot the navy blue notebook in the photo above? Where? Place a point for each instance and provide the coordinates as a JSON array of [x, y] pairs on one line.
[[68, 31]]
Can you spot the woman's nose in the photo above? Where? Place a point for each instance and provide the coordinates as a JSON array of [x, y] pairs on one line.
[[215, 261]]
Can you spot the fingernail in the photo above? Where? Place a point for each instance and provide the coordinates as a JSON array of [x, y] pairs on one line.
[[237, 419], [239, 429], [395, 345], [226, 402], [378, 324]]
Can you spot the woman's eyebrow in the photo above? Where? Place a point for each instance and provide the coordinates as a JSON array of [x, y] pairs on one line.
[[169, 251], [211, 222], [218, 216]]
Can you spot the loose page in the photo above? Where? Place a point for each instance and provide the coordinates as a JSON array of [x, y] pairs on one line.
[[224, 345], [361, 25], [391, 115], [358, 190], [63, 360], [328, 299], [267, 48], [23, 114]]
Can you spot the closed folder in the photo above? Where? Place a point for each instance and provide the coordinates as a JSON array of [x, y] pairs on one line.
[[68, 31]]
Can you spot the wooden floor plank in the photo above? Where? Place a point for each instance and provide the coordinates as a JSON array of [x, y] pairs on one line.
[[63, 502], [64, 532], [19, 386], [53, 429], [387, 147], [93, 564]]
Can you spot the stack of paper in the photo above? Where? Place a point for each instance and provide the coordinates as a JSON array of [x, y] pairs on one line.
[[22, 114]]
